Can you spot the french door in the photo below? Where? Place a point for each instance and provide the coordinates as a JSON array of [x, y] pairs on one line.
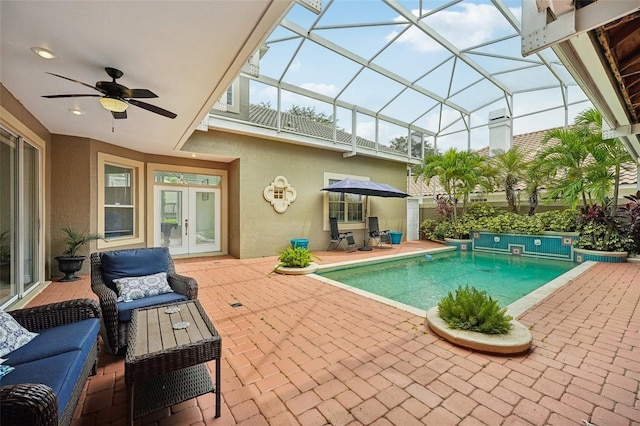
[[187, 219]]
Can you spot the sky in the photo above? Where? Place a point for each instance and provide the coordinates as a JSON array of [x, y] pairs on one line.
[[378, 35]]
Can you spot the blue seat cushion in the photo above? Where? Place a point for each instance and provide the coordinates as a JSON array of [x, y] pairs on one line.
[[60, 372], [80, 335], [125, 309], [133, 263]]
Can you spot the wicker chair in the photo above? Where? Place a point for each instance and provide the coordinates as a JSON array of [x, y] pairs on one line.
[[114, 326], [36, 404]]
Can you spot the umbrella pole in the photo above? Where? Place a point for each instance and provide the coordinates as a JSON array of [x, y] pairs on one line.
[[366, 226]]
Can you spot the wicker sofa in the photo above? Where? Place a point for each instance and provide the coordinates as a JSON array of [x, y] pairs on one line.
[[52, 369], [108, 266]]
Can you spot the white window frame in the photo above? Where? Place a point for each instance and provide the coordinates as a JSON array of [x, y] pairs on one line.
[[325, 205], [138, 199]]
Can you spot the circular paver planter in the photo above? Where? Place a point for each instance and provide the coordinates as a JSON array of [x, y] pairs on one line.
[[297, 271], [517, 340]]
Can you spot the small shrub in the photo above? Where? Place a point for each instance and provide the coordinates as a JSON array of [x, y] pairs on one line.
[[474, 310], [559, 220], [481, 210], [298, 257], [427, 227]]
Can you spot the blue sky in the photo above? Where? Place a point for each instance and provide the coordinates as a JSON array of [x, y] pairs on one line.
[[416, 57]]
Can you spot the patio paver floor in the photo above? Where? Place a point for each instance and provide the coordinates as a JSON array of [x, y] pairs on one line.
[[299, 351]]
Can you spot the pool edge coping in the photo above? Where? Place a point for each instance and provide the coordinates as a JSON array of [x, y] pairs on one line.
[[515, 309]]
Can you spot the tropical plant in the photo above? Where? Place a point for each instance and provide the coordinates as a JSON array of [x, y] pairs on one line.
[[583, 165], [75, 239], [510, 168], [299, 257], [630, 217], [474, 310], [608, 154], [600, 230], [569, 159], [457, 171], [559, 220]]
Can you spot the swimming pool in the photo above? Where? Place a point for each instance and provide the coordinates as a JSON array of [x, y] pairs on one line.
[[421, 282]]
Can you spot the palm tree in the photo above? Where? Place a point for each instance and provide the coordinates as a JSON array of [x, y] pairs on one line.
[[457, 171], [570, 160], [607, 153], [510, 167]]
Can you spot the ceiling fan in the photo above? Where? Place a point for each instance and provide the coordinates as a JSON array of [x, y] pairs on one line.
[[116, 97]]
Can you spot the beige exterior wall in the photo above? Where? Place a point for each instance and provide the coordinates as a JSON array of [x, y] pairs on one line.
[[74, 189], [256, 229]]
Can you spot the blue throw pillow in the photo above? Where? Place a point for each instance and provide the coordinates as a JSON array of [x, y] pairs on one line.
[[133, 263]]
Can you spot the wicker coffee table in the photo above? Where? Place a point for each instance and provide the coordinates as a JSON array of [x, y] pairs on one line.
[[165, 364]]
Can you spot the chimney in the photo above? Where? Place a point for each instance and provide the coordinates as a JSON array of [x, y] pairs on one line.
[[499, 131]]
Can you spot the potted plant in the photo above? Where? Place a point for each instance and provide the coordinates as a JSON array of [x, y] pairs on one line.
[[70, 263], [474, 320], [295, 261]]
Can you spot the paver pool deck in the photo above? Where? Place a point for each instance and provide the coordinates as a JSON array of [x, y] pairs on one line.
[[302, 352]]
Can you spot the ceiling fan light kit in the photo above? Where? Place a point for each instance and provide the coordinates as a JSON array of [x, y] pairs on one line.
[[113, 104], [43, 53]]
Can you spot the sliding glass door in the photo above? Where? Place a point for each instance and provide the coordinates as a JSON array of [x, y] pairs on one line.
[[20, 240]]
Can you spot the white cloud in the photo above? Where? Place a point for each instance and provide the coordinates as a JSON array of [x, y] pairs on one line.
[[469, 25], [324, 89]]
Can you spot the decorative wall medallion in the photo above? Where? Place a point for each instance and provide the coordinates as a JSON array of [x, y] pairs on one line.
[[280, 194]]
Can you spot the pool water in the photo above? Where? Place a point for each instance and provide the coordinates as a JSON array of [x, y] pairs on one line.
[[421, 282]]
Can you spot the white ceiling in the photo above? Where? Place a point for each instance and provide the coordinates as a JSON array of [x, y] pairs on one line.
[[187, 52]]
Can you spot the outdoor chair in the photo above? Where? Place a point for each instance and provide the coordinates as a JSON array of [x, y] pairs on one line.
[[383, 238], [344, 239], [128, 279]]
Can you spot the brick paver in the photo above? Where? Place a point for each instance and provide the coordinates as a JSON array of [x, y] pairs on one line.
[[300, 351]]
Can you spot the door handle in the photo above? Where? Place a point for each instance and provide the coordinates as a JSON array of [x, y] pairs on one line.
[[186, 227]]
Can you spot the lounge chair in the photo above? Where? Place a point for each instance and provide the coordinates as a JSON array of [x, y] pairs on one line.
[[383, 238], [134, 271], [344, 239]]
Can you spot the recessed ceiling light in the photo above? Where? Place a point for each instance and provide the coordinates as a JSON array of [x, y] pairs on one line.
[[193, 155], [76, 111], [43, 53]]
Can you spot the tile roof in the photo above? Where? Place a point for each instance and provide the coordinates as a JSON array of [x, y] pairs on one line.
[[268, 117]]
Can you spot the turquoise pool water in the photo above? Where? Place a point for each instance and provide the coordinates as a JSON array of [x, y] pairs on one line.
[[421, 283]]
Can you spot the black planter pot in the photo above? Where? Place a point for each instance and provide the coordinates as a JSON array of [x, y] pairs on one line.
[[69, 265]]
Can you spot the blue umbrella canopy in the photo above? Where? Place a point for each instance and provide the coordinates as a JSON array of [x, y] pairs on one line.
[[363, 187]]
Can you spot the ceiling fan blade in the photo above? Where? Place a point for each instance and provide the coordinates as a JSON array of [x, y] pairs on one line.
[[152, 108], [72, 96], [76, 81], [119, 115], [138, 93]]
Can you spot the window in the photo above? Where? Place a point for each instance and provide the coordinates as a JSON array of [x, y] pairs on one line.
[[347, 208], [120, 200]]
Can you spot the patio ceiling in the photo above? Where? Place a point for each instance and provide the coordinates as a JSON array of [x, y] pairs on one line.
[[186, 52]]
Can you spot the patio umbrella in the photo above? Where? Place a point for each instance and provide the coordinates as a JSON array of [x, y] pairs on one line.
[[366, 188]]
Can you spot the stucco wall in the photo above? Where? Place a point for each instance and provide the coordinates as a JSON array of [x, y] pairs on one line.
[[262, 231], [74, 170]]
